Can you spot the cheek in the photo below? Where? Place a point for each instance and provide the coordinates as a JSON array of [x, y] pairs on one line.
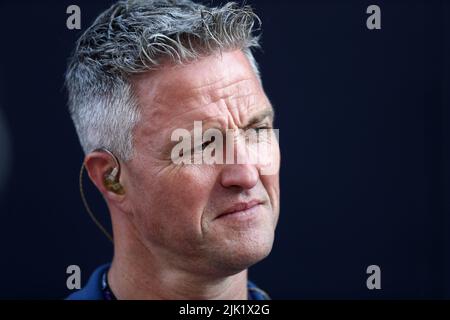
[[270, 180], [269, 156], [272, 185], [189, 187], [269, 173], [171, 203]]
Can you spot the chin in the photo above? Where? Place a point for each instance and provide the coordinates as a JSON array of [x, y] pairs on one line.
[[240, 255]]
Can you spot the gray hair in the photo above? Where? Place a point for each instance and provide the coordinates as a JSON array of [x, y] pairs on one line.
[[136, 36]]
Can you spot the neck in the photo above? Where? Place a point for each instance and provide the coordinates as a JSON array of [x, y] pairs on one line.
[[138, 272]]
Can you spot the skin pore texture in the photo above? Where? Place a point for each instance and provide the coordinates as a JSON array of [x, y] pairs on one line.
[[171, 239]]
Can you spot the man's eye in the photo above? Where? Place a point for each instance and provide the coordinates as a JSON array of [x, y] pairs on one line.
[[207, 143], [257, 129], [202, 147]]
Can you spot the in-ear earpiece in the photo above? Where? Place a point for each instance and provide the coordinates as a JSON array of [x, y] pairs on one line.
[[112, 183], [111, 179]]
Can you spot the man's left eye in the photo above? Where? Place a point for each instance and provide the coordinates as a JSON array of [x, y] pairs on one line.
[[257, 129], [207, 143]]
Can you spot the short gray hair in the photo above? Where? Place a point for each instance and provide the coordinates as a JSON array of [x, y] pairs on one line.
[[136, 36]]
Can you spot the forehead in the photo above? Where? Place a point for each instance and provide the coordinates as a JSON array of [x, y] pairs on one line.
[[222, 88]]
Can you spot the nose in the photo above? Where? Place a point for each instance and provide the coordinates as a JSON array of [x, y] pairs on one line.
[[244, 176], [241, 173]]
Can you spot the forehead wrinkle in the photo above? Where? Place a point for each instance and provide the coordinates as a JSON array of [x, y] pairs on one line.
[[219, 89], [203, 100], [203, 95], [223, 112], [229, 98]]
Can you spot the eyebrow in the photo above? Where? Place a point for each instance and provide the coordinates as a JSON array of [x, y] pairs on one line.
[[255, 119]]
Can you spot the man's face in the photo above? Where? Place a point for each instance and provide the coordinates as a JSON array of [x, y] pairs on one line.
[[178, 209]]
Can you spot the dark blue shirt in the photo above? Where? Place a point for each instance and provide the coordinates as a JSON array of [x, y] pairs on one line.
[[97, 288]]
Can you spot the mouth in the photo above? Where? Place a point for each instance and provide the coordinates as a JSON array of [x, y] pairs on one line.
[[240, 209]]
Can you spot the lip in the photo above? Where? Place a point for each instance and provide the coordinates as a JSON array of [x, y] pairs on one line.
[[240, 207]]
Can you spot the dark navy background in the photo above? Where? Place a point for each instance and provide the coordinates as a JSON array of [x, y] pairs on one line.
[[364, 129]]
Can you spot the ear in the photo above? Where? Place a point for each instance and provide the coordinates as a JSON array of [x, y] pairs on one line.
[[98, 165]]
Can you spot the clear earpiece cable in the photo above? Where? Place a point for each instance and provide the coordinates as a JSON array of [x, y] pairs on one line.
[[88, 209]]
